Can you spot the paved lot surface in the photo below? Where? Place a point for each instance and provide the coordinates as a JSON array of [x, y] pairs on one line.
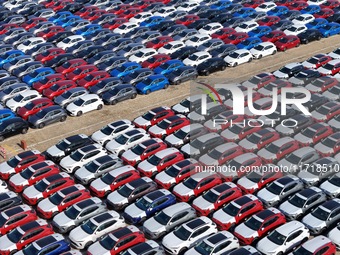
[[90, 122]]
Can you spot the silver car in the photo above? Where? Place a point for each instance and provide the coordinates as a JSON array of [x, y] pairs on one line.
[[13, 90], [147, 248], [70, 96], [332, 186], [97, 168], [167, 219], [302, 202], [77, 213], [47, 116]]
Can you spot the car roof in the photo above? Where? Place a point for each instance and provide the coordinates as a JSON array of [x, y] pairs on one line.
[[218, 238], [303, 151], [166, 152], [315, 243], [75, 138], [331, 204], [87, 202], [121, 170], [289, 227], [175, 208], [32, 224], [105, 216], [157, 194], [90, 147]]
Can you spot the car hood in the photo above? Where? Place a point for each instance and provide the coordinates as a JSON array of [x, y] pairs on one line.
[[113, 146], [330, 188], [171, 241], [203, 204], [246, 183], [319, 116], [98, 184], [334, 235], [62, 220], [134, 212], [302, 138], [78, 234], [180, 108], [141, 121], [247, 144], [313, 222], [99, 136], [194, 116], [183, 190], [147, 167], [96, 248], [153, 226], [83, 173], [280, 74], [6, 244], [173, 140], [157, 130], [221, 216], [284, 130], [130, 155], [55, 152], [116, 198], [208, 161], [18, 180], [324, 70], [47, 206], [246, 232], [263, 153], [165, 178], [323, 148], [289, 209], [267, 246], [189, 150], [67, 162], [31, 192], [5, 168], [267, 196]]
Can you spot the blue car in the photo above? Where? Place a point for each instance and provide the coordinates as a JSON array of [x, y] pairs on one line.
[[125, 69], [260, 31], [6, 114], [152, 21], [148, 205], [49, 245], [68, 21], [311, 9], [278, 11], [152, 83], [244, 12], [317, 23], [249, 43], [168, 66], [60, 16], [37, 75], [221, 5], [8, 56], [330, 29], [89, 29]]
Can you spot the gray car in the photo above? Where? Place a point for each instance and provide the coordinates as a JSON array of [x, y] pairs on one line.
[[70, 95], [302, 202], [148, 36], [47, 116], [77, 213], [105, 85], [27, 68], [13, 90], [167, 219], [137, 76], [130, 49], [119, 93], [210, 45]]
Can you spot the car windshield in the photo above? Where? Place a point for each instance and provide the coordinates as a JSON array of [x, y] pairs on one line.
[[292, 158], [15, 235], [191, 183], [234, 55], [41, 185], [13, 162], [234, 164], [163, 124], [56, 199], [18, 98], [182, 233], [54, 87], [107, 242], [107, 130], [335, 180], [193, 57], [231, 209], [259, 47], [254, 176], [196, 143], [62, 145], [29, 106], [180, 134], [323, 110], [66, 40], [92, 166], [66, 65], [329, 142], [122, 139], [8, 90], [297, 201], [253, 223], [302, 251], [125, 191], [77, 71], [72, 212], [320, 213], [143, 204], [274, 188], [185, 103], [66, 94], [273, 148], [328, 66], [313, 60], [27, 173], [79, 102], [162, 218], [172, 171], [31, 249], [254, 138], [308, 132], [108, 178], [215, 154], [89, 227], [138, 149], [89, 77], [276, 238], [204, 248], [210, 196], [76, 155]]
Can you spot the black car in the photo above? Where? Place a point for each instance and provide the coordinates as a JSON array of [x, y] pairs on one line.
[[89, 52], [290, 15], [198, 24], [174, 30], [282, 25], [211, 13], [105, 85], [107, 39], [40, 48], [223, 50], [310, 35], [304, 77], [118, 44], [59, 37], [164, 24], [211, 65], [13, 126], [9, 200], [119, 93], [59, 60], [234, 22], [112, 63], [182, 74], [183, 52], [334, 18], [234, 7], [138, 31], [222, 17], [99, 34]]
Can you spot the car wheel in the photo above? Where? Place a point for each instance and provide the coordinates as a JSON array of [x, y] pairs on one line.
[[259, 56], [100, 107], [274, 52], [79, 113], [133, 96], [206, 73], [12, 252], [24, 130], [75, 169], [223, 67], [297, 45], [88, 244], [284, 49], [182, 251], [113, 102], [235, 64], [147, 92], [41, 125], [306, 41], [177, 82], [166, 86], [191, 199], [319, 38], [327, 35], [63, 119], [121, 153], [280, 253], [250, 60], [2, 138]]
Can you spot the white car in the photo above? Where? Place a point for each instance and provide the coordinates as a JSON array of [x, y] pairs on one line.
[[22, 99], [332, 186], [125, 28], [335, 53], [112, 130], [127, 140], [87, 233], [189, 233], [265, 7], [328, 68], [140, 17], [238, 57], [188, 6], [246, 26], [210, 28], [30, 43], [283, 238], [285, 71], [13, 4], [303, 19], [171, 47], [70, 41], [82, 156], [84, 104], [142, 55], [196, 58], [197, 40], [3, 187], [263, 49], [296, 29], [165, 11]]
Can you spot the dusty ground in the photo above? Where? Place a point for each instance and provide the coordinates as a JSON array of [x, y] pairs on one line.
[[90, 122]]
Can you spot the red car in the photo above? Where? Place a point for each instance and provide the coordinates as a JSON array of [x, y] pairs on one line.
[[168, 126], [143, 150], [120, 240], [259, 139], [32, 174], [94, 15], [317, 61], [15, 217], [322, 84], [46, 187], [19, 162], [253, 3], [120, 9], [155, 61], [49, 54], [241, 209], [159, 42], [273, 36], [26, 234], [70, 65], [65, 197], [324, 13], [32, 22], [261, 80], [93, 78], [177, 173], [5, 27], [223, 33], [153, 116], [238, 132], [187, 19], [80, 72], [287, 42], [330, 4], [326, 111], [130, 13], [298, 5], [329, 146], [215, 198], [267, 220], [143, 4], [115, 23], [196, 185], [236, 38], [48, 81], [33, 107], [318, 245], [221, 154], [258, 179], [285, 2], [58, 88], [313, 134], [269, 21], [51, 31], [86, 10]]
